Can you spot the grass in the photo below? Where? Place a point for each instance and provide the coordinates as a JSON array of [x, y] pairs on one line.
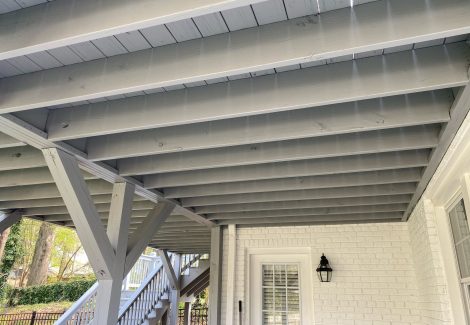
[[53, 307]]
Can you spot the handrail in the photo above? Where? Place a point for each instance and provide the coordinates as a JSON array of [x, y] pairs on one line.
[[189, 260], [146, 298], [141, 303], [137, 292], [82, 310]]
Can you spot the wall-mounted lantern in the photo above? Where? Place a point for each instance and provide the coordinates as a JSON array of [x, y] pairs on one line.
[[324, 270]]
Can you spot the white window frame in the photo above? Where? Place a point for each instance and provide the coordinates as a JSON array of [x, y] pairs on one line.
[[463, 282], [255, 258]]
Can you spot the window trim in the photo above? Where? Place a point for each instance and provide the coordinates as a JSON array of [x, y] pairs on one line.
[[301, 255], [463, 282]]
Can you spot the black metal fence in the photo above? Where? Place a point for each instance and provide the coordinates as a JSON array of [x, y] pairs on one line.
[[33, 318], [198, 316]]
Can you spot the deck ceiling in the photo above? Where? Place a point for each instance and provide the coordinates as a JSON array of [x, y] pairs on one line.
[[249, 112]]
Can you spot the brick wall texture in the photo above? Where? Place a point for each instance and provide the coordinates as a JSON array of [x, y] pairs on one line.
[[384, 273], [433, 297]]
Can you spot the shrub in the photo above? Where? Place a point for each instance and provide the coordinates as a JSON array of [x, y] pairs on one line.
[[43, 294]]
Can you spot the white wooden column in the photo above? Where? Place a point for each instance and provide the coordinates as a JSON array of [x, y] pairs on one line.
[[173, 272], [232, 253], [175, 292], [9, 219], [215, 279], [109, 291], [111, 255]]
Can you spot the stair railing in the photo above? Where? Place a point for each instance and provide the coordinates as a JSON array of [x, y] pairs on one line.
[[145, 299], [141, 303], [82, 311], [188, 260]]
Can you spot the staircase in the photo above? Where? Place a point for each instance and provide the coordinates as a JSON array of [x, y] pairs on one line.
[[195, 280], [149, 303]]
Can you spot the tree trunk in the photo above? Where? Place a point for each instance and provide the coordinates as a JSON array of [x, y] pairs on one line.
[[3, 241], [42, 254]]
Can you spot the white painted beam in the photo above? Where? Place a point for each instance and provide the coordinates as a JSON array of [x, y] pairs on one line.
[[354, 218], [307, 204], [9, 219], [309, 212], [298, 183], [335, 34], [100, 207], [8, 142], [345, 192], [30, 176], [55, 202], [393, 74], [61, 23], [322, 147], [32, 136], [145, 232], [68, 177], [20, 158], [374, 114], [44, 191], [392, 160], [325, 166]]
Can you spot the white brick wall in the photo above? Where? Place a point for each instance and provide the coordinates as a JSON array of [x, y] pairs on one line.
[[374, 279], [433, 296]]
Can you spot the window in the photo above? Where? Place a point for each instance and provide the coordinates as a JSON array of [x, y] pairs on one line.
[[461, 235], [280, 287], [281, 294]]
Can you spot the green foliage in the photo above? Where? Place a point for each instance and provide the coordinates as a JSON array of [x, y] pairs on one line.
[[13, 251], [27, 241], [201, 299], [65, 249], [61, 291]]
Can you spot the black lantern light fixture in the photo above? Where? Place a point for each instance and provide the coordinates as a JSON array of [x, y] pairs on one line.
[[324, 270]]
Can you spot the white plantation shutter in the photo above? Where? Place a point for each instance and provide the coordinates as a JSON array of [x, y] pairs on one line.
[[281, 294]]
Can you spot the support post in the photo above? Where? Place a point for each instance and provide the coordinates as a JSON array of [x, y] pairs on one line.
[[143, 235], [74, 191], [232, 242], [173, 275], [106, 249], [175, 293], [187, 313], [215, 279], [109, 291]]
